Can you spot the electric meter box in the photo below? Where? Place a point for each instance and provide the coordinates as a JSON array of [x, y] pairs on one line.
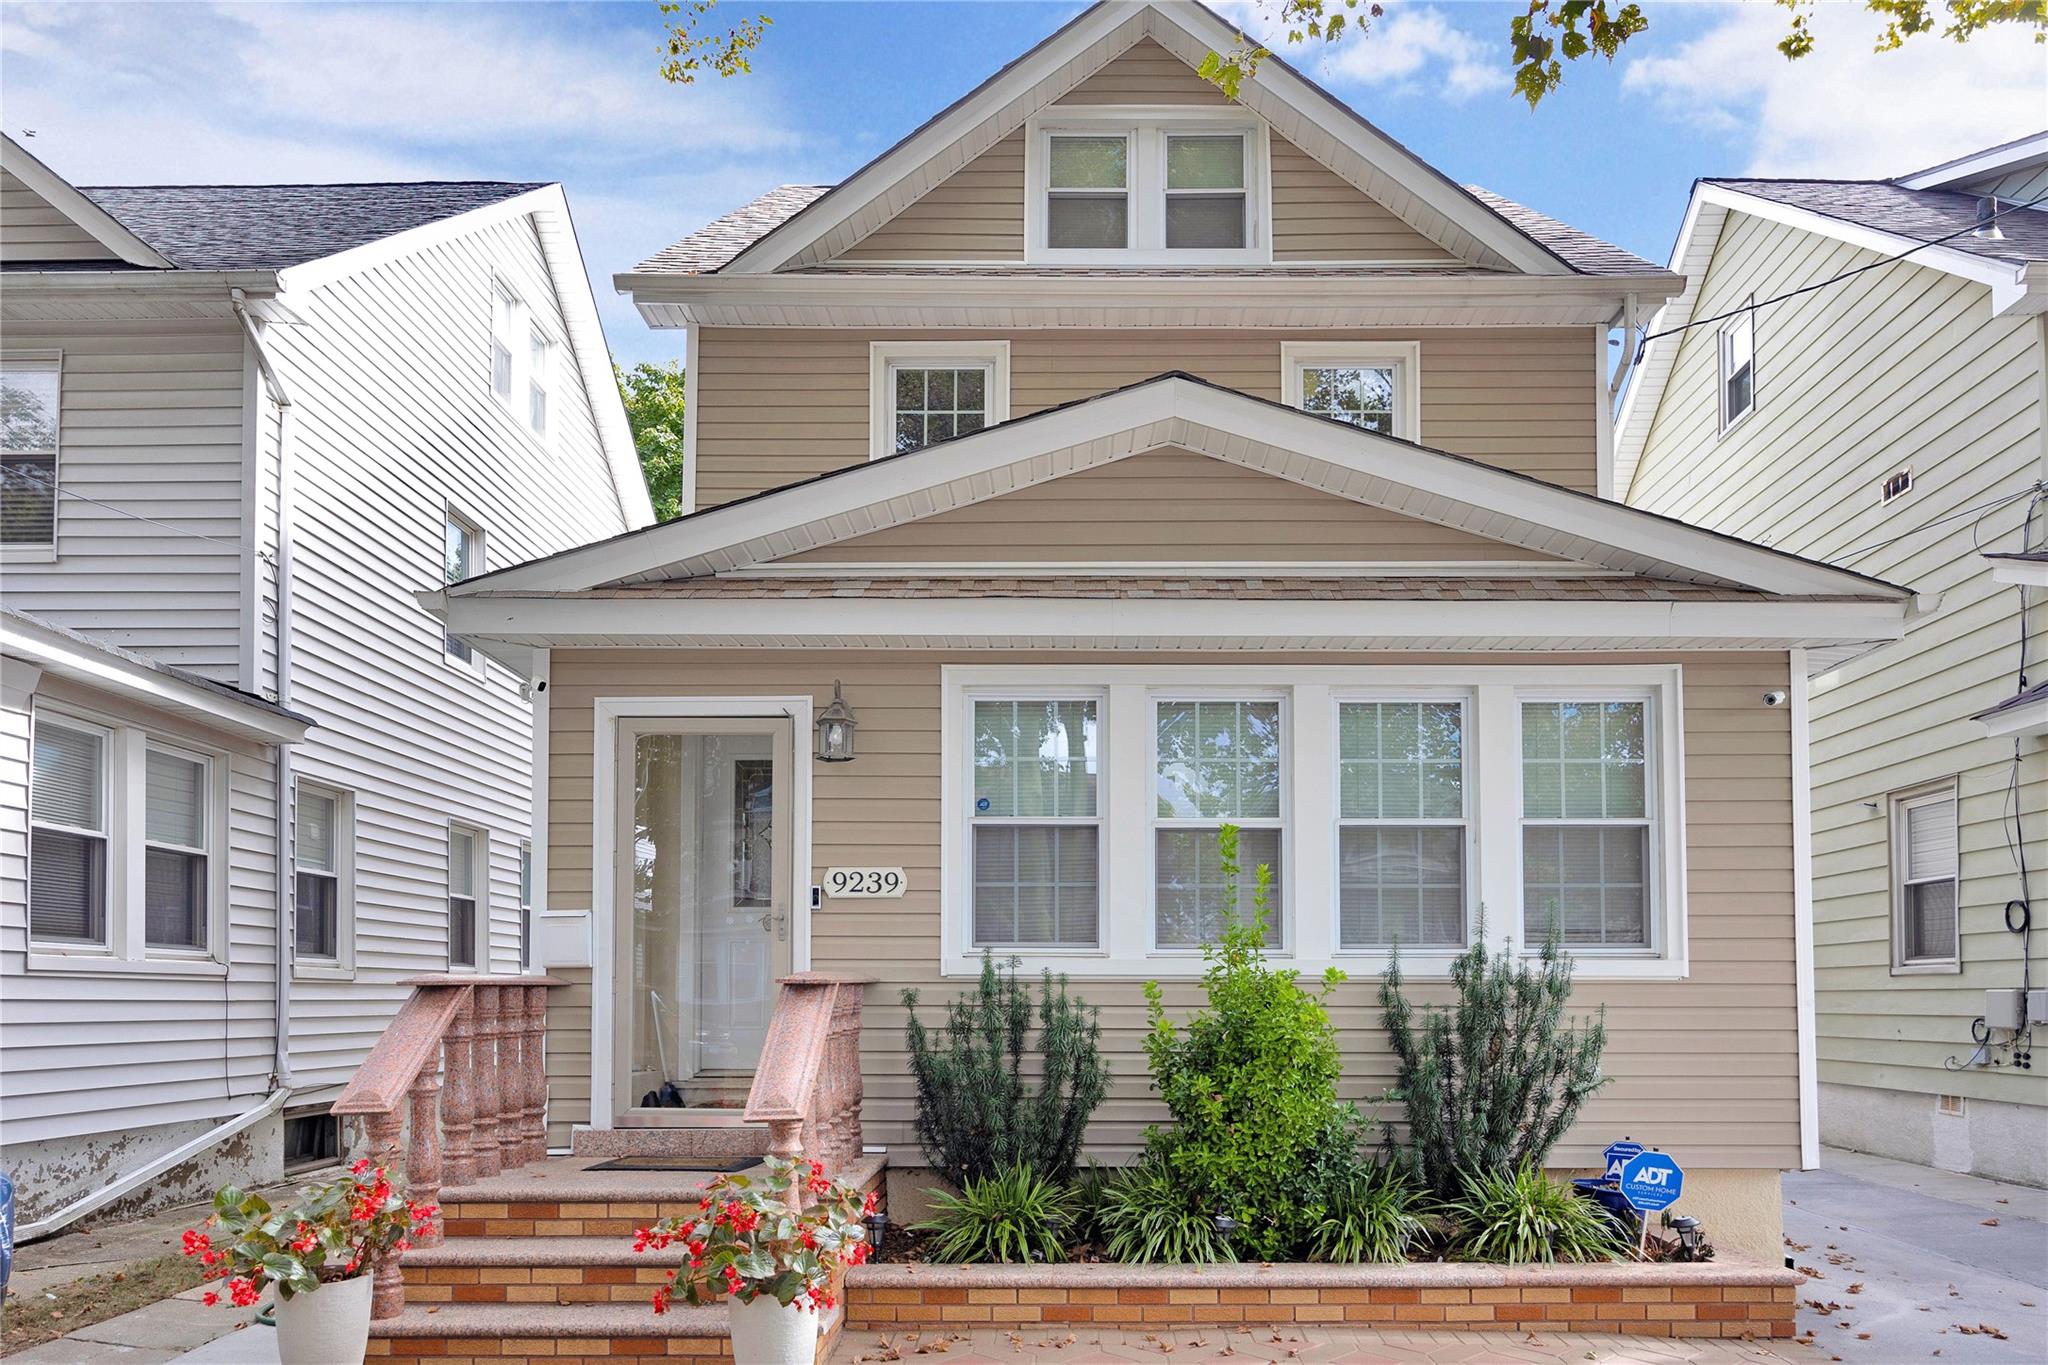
[[2005, 1009], [2037, 1007]]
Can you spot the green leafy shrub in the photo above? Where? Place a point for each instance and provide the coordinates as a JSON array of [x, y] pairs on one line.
[[1514, 1217], [1377, 1215], [1250, 1082], [1492, 1081], [977, 1115], [1149, 1217], [1014, 1216]]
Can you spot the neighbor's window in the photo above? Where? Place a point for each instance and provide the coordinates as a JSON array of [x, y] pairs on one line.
[[1371, 386], [465, 879], [1088, 198], [317, 854], [1738, 368], [1586, 822], [1205, 191], [539, 358], [28, 451], [525, 904], [1037, 825], [175, 850], [462, 557], [67, 877], [1401, 815], [1924, 868], [1218, 762], [505, 316]]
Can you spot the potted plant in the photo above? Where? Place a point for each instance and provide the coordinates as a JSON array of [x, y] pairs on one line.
[[329, 1241], [775, 1250]]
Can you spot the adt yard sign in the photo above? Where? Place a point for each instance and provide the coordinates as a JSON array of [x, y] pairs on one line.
[[1618, 1154], [1651, 1181]]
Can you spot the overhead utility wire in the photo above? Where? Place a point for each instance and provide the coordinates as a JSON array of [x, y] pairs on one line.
[[1752, 306], [40, 484], [2031, 490]]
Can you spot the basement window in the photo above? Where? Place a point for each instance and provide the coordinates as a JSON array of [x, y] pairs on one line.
[[311, 1140]]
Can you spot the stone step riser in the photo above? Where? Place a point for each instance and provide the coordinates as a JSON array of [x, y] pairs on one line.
[[533, 1284], [564, 1219], [556, 1350]]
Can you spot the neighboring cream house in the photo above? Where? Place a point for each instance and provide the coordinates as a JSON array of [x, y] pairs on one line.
[[1128, 461], [1893, 422], [242, 423]]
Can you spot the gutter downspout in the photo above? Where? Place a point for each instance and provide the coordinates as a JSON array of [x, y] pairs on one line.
[[281, 1067]]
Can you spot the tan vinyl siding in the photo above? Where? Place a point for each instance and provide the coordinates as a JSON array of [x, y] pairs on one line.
[[1169, 505], [1146, 74], [1902, 367], [83, 1053], [1320, 216], [32, 229], [777, 406], [975, 214], [150, 426], [1708, 1064]]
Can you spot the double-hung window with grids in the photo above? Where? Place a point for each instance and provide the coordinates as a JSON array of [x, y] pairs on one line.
[[1403, 835], [1036, 831], [1216, 761], [1586, 856]]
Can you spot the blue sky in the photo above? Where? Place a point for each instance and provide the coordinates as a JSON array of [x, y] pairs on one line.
[[169, 93]]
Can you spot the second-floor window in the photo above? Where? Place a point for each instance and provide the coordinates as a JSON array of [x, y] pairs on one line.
[[1738, 369], [1375, 386], [28, 451], [539, 363], [505, 317], [931, 391], [522, 359], [462, 557]]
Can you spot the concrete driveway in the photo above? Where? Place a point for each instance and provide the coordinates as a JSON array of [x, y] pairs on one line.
[[1913, 1264]]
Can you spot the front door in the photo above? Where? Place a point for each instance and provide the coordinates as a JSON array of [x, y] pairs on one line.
[[703, 881]]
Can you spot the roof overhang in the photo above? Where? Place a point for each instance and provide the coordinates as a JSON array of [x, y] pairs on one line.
[[2026, 571], [1277, 299], [2022, 715], [31, 295], [56, 652], [1988, 164], [2015, 288], [66, 198]]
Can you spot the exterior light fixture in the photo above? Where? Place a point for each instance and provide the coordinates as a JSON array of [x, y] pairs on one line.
[[878, 1228], [835, 729], [1987, 228]]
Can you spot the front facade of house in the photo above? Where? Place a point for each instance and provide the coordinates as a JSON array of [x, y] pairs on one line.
[[1895, 423], [244, 423], [1128, 462]]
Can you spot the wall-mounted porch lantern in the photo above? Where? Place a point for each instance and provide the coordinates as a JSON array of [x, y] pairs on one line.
[[835, 729]]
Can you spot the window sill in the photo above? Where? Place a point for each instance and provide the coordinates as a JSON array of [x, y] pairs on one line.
[[28, 554], [323, 971], [1171, 964], [104, 964], [1949, 968]]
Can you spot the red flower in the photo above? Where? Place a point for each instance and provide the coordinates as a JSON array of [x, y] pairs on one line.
[[196, 1243], [242, 1292], [209, 1298], [362, 1164], [871, 1203], [661, 1300]]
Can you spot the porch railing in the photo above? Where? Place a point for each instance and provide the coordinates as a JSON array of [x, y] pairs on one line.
[[807, 1087], [463, 1060]]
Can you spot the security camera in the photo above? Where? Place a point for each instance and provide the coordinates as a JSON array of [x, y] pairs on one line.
[[1774, 699]]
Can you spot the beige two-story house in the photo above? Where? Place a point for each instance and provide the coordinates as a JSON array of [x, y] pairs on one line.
[[1115, 461]]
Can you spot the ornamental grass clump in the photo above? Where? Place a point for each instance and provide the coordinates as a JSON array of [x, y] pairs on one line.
[[1251, 1084], [1518, 1216], [1015, 1216], [1491, 1081], [1376, 1216], [979, 1112], [1148, 1216]]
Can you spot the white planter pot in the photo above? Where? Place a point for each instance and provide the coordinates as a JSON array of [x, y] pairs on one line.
[[330, 1326], [766, 1333]]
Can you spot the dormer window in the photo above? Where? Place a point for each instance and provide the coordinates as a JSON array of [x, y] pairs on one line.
[[1173, 186]]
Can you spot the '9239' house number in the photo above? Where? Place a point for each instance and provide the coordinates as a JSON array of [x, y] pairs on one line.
[[864, 883]]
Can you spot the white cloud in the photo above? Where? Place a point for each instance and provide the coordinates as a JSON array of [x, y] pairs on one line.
[[1419, 50], [1845, 111]]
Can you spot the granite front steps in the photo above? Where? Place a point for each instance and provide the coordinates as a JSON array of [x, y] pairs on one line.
[[537, 1265]]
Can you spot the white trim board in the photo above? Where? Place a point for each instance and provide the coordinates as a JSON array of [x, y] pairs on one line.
[[1177, 411]]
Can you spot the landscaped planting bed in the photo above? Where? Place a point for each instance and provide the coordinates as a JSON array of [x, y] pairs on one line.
[[1711, 1299]]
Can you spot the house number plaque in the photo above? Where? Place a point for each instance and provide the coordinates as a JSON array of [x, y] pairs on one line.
[[864, 883]]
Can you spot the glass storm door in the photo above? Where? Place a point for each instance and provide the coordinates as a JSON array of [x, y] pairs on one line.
[[704, 912]]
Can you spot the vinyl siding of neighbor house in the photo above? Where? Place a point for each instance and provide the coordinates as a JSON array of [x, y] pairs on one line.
[[1707, 1065], [123, 1050], [150, 425], [1169, 505], [31, 229], [776, 406], [1902, 367], [2022, 186], [397, 422]]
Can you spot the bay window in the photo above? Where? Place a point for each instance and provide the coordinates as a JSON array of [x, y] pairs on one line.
[[1396, 807]]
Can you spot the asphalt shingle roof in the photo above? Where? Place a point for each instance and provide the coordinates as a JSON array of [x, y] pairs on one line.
[[718, 241], [271, 227], [1922, 215], [1582, 251]]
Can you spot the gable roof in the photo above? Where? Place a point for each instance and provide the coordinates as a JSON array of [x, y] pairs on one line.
[[1983, 164], [1179, 411], [1912, 215], [787, 233], [273, 227], [60, 194]]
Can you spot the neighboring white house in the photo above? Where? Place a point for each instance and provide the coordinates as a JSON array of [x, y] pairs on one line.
[[1894, 422], [242, 425]]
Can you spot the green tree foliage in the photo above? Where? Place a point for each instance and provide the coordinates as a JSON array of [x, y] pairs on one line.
[[694, 43], [978, 1114], [655, 395], [1251, 1084], [1552, 32], [1491, 1081]]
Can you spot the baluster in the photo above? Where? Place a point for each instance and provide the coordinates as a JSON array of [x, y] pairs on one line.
[[423, 1151], [786, 1140], [511, 1076], [489, 1160], [387, 1286], [536, 1110], [458, 1097]]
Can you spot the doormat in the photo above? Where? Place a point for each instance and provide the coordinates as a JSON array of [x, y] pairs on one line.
[[690, 1165]]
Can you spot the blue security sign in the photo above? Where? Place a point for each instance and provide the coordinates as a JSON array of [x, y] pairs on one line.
[[1651, 1181], [1618, 1154]]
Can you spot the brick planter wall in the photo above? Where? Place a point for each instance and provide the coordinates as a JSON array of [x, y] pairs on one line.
[[1717, 1299]]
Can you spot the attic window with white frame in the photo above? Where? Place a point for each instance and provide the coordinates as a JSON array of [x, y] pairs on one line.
[[925, 392], [1180, 186], [1738, 368], [462, 557]]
